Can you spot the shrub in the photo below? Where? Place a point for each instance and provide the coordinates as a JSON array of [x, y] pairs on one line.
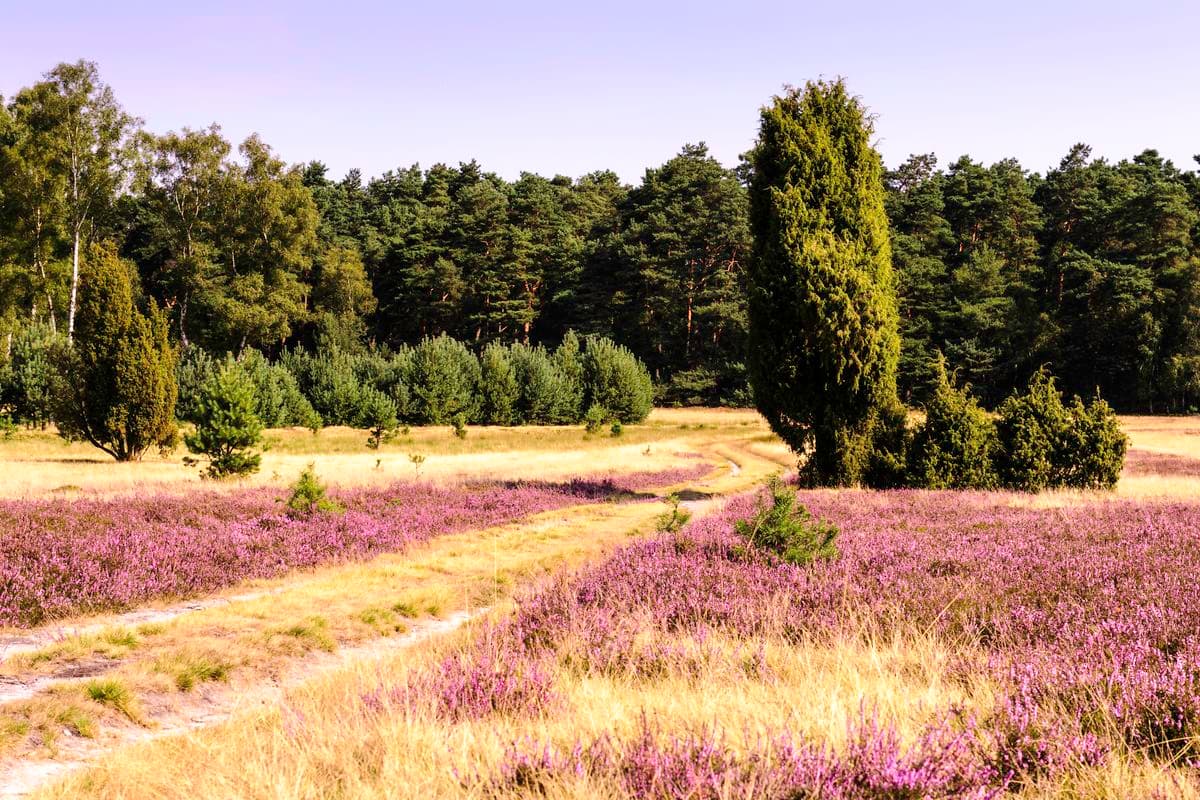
[[673, 518], [328, 380], [1044, 443], [616, 429], [499, 392], [195, 366], [378, 415], [788, 530], [614, 379], [955, 448], [308, 496], [595, 418], [549, 393], [115, 384], [460, 425], [1094, 447], [280, 403], [227, 428], [568, 358], [444, 381], [27, 381], [887, 463]]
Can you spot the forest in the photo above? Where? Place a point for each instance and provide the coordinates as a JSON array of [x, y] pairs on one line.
[[1091, 269]]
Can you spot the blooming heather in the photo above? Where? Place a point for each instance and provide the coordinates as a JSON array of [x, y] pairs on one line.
[[1087, 618], [60, 557]]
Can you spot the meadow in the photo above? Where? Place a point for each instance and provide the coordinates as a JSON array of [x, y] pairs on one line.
[[486, 628]]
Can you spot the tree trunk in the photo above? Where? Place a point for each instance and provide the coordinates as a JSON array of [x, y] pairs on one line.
[[74, 286]]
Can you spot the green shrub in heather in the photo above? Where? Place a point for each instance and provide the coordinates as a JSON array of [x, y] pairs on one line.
[[444, 380], [228, 430], [1045, 443], [788, 530], [614, 379], [499, 392], [955, 448], [308, 496], [891, 441], [1093, 450]]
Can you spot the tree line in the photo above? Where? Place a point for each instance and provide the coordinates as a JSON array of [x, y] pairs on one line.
[[1092, 268]]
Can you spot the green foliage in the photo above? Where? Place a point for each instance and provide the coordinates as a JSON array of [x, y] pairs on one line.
[[891, 444], [499, 391], [615, 380], [616, 429], [280, 403], [444, 381], [460, 425], [673, 518], [378, 415], [116, 384], [549, 387], [1046, 443], [308, 496], [788, 530], [595, 418], [956, 446], [822, 302], [27, 380], [228, 429]]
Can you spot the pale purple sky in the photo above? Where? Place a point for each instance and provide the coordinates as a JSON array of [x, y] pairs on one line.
[[564, 87]]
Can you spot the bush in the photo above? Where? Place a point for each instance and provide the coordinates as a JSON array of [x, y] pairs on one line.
[[280, 403], [460, 425], [115, 385], [328, 380], [499, 392], [788, 530], [378, 415], [192, 372], [614, 379], [595, 418], [1046, 444], [887, 463], [956, 446], [1093, 451], [549, 388], [444, 381], [27, 381], [228, 430], [308, 496]]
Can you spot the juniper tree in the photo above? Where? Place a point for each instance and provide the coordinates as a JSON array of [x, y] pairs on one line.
[[823, 319], [117, 385]]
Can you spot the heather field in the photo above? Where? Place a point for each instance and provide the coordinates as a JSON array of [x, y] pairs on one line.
[[959, 644]]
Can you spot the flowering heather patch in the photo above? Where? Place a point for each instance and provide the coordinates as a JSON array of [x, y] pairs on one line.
[[653, 766], [67, 556], [1087, 619]]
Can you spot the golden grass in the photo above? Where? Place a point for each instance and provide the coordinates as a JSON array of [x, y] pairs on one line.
[[39, 464], [322, 742], [326, 742]]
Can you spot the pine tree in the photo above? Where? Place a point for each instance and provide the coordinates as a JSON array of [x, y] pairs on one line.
[[822, 301], [228, 430], [117, 384]]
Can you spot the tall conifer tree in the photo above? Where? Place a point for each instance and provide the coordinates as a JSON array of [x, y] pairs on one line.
[[822, 300]]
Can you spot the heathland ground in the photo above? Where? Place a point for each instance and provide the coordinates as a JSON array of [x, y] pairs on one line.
[[454, 632]]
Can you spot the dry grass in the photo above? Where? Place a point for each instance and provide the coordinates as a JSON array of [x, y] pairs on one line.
[[323, 743], [39, 464], [327, 744]]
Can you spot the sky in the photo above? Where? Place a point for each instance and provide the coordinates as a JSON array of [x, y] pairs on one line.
[[571, 87]]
